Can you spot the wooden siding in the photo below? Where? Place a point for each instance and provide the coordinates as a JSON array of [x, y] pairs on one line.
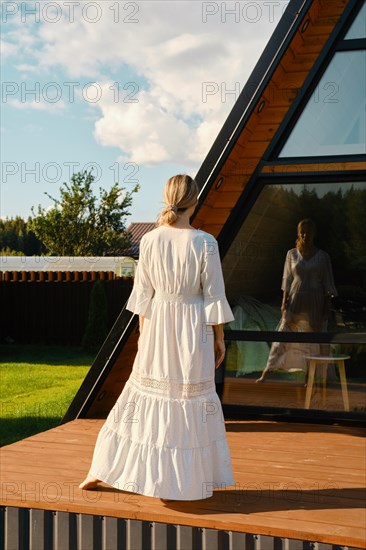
[[321, 167], [278, 96]]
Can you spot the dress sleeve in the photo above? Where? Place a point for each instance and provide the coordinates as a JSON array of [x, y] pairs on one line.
[[216, 307], [142, 291], [328, 281], [287, 277]]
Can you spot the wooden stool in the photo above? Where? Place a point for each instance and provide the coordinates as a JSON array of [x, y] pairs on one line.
[[338, 361]]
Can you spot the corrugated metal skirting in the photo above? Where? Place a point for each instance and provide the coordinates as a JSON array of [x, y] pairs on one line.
[[33, 529]]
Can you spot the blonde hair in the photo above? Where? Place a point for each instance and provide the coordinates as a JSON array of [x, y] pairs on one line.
[[310, 225], [180, 193]]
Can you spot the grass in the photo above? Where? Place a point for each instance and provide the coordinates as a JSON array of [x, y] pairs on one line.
[[37, 385]]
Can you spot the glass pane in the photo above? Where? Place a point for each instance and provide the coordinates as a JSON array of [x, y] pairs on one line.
[[333, 121], [253, 269], [358, 27], [331, 389]]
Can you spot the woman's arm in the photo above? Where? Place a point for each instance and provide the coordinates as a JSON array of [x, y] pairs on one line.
[[219, 344], [284, 302], [141, 323]]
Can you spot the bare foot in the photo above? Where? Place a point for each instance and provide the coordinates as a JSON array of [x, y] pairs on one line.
[[89, 482]]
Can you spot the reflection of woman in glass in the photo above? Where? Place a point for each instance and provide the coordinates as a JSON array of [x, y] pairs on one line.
[[308, 287]]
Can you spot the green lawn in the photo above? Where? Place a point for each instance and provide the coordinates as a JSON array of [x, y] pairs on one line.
[[37, 385]]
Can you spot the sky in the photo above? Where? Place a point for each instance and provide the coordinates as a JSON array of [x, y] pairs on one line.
[[136, 90]]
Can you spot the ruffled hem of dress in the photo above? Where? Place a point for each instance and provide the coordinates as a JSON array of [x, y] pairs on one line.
[[152, 471], [217, 311], [167, 422], [139, 301]]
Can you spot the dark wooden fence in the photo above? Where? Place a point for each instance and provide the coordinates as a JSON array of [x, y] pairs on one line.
[[53, 309]]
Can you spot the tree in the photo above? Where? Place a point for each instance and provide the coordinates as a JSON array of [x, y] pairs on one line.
[[80, 224], [355, 238], [16, 239]]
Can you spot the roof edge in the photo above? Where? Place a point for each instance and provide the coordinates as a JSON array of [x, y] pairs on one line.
[[258, 77]]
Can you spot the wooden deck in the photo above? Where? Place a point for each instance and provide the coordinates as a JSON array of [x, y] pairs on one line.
[[297, 481]]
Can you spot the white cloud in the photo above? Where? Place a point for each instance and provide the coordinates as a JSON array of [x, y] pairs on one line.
[[26, 67], [179, 116], [40, 105], [20, 41], [180, 57], [144, 131], [7, 49]]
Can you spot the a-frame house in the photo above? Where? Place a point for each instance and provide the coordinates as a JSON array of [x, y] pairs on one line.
[[292, 147], [298, 128]]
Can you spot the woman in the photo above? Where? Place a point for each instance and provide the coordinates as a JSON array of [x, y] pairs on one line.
[[308, 287], [165, 436]]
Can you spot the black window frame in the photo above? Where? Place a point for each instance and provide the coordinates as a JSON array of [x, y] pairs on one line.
[[225, 239], [336, 43]]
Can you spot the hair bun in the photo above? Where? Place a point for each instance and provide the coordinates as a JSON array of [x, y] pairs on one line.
[[180, 193]]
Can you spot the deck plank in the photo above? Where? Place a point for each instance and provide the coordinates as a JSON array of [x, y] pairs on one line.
[[297, 481]]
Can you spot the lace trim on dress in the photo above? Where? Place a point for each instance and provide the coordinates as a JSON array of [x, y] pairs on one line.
[[162, 295], [172, 388]]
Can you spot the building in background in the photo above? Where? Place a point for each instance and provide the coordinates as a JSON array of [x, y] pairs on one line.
[[293, 147]]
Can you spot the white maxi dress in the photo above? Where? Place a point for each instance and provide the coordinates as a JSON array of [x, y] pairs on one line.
[[165, 437]]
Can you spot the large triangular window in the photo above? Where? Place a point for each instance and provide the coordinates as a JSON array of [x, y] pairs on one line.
[[333, 121]]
